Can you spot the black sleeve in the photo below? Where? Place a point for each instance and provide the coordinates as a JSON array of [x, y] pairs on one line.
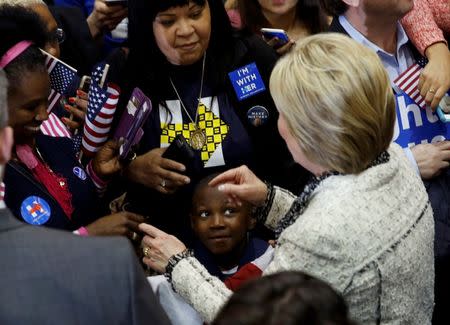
[[79, 49], [274, 161]]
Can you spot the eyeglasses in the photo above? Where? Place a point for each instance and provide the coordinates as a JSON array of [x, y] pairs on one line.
[[57, 35]]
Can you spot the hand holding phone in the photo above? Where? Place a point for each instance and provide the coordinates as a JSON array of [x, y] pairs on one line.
[[279, 34]]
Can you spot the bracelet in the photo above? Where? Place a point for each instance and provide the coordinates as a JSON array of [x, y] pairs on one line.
[[263, 210], [82, 231], [173, 261], [98, 182]]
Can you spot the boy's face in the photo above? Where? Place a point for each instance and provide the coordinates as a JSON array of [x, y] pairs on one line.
[[220, 224]]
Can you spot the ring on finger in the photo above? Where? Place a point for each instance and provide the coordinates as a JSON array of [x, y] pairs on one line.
[[146, 250], [432, 91]]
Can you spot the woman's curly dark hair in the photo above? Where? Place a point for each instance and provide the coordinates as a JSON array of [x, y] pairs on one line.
[[18, 24]]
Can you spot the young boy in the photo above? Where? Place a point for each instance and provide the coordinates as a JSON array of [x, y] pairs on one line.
[[224, 244]]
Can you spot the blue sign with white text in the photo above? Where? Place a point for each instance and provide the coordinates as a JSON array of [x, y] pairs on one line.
[[415, 125], [246, 81]]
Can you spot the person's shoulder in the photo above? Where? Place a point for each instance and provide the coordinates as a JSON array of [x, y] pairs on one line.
[[67, 246]]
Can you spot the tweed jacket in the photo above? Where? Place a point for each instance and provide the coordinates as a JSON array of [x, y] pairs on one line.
[[369, 235]]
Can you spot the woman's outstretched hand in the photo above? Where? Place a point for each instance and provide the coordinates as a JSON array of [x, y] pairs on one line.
[[434, 80], [241, 185], [158, 247]]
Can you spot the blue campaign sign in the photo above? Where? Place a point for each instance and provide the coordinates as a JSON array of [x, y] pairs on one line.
[[246, 81], [415, 125]]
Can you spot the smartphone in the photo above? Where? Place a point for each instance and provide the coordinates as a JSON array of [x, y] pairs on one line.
[[270, 33], [180, 151]]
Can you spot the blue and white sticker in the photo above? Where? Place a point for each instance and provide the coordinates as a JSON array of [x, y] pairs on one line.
[[80, 173], [258, 115], [246, 81], [35, 210]]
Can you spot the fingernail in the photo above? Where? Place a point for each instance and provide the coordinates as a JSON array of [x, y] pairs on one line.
[[72, 100], [67, 107], [221, 187], [79, 93], [187, 180], [64, 119]]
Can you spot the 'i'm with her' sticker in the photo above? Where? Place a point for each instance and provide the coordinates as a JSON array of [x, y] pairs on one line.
[[246, 81]]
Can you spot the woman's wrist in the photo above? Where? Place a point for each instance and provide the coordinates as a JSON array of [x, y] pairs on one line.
[[263, 210], [130, 170], [436, 51], [264, 195]]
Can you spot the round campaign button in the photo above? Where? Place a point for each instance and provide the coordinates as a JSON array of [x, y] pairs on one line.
[[80, 173], [35, 210], [257, 115]]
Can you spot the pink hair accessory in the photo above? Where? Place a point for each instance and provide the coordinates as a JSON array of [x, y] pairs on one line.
[[14, 52]]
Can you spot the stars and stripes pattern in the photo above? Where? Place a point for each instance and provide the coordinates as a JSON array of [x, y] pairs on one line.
[[97, 73], [2, 191], [99, 116], [408, 82], [62, 76], [77, 139]]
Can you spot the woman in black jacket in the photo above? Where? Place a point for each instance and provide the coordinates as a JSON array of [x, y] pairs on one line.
[[210, 86]]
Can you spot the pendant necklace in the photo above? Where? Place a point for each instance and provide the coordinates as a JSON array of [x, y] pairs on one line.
[[198, 137]]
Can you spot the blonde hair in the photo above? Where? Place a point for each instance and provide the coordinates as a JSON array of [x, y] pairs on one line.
[[337, 101], [24, 3]]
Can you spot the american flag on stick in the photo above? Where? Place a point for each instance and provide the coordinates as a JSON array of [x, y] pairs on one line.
[[63, 78], [408, 82], [99, 116]]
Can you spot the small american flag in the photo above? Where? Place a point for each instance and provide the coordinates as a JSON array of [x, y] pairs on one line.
[[99, 116], [77, 139], [62, 79], [97, 73], [54, 127], [408, 82]]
